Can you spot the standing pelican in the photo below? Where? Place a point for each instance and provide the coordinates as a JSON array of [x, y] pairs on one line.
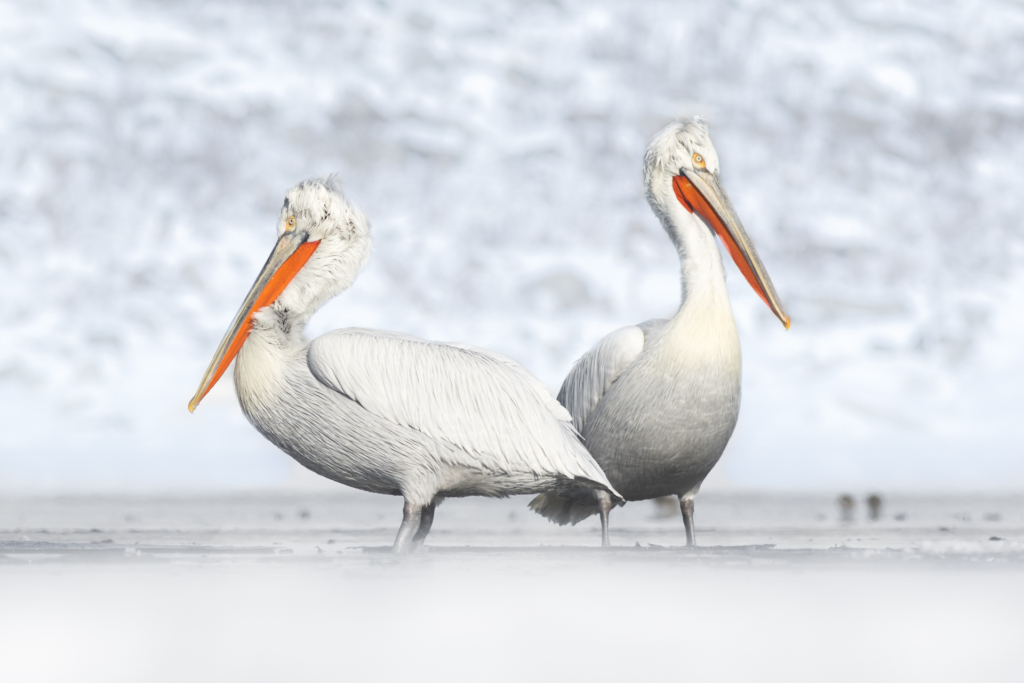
[[656, 403], [379, 411]]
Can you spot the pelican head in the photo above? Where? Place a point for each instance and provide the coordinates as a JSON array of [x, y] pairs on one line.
[[322, 244], [681, 173]]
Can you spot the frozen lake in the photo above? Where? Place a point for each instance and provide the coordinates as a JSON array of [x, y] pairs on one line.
[[297, 586]]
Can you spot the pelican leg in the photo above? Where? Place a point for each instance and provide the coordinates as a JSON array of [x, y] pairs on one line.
[[686, 505], [604, 501], [426, 521], [411, 514]]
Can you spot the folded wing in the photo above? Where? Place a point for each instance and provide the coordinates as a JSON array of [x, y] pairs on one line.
[[481, 402], [598, 369]]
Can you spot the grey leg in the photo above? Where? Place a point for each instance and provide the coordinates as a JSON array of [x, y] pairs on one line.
[[410, 524], [686, 505], [604, 500], [426, 521]]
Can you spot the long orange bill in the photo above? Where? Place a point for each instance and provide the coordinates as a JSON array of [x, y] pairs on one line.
[[700, 193], [289, 256]]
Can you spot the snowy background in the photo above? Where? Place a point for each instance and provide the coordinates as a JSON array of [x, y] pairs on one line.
[[874, 151]]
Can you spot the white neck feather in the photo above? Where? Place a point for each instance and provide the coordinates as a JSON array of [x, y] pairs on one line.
[[704, 323], [701, 269], [278, 333]]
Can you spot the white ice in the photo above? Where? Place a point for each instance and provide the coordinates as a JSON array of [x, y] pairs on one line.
[[299, 587]]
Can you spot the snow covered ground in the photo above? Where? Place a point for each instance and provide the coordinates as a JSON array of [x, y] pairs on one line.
[[874, 151], [284, 586]]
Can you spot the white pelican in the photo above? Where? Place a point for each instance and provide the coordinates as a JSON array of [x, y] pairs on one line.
[[379, 411], [656, 403]]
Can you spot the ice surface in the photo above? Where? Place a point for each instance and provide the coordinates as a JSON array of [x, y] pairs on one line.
[[874, 152], [272, 587]]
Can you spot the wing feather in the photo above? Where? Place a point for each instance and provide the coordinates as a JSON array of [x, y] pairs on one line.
[[481, 402], [596, 371]]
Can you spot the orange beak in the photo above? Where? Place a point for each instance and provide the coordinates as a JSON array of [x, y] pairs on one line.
[[289, 256], [700, 193]]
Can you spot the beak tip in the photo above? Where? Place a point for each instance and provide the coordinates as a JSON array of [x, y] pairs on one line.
[[192, 405]]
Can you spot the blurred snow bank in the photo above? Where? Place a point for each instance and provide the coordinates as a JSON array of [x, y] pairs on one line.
[[873, 152]]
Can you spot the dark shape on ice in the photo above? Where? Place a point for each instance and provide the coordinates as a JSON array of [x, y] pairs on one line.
[[875, 506], [846, 504], [666, 506]]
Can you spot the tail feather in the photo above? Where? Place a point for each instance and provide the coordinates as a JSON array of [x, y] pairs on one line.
[[562, 510]]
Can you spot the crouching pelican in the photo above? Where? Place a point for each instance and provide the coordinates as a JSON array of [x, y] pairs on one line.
[[656, 403], [379, 411]]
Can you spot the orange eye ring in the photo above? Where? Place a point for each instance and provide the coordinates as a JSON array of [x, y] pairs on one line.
[[291, 222], [698, 160]]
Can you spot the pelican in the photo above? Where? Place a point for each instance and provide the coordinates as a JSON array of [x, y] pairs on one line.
[[657, 402], [380, 411]]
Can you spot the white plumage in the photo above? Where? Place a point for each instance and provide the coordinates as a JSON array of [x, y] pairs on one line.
[[597, 370], [656, 403], [501, 417], [380, 411]]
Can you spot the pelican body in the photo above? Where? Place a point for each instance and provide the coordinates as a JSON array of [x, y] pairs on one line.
[[656, 403], [384, 412]]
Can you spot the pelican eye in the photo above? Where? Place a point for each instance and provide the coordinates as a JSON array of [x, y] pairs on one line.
[[698, 160], [290, 224]]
